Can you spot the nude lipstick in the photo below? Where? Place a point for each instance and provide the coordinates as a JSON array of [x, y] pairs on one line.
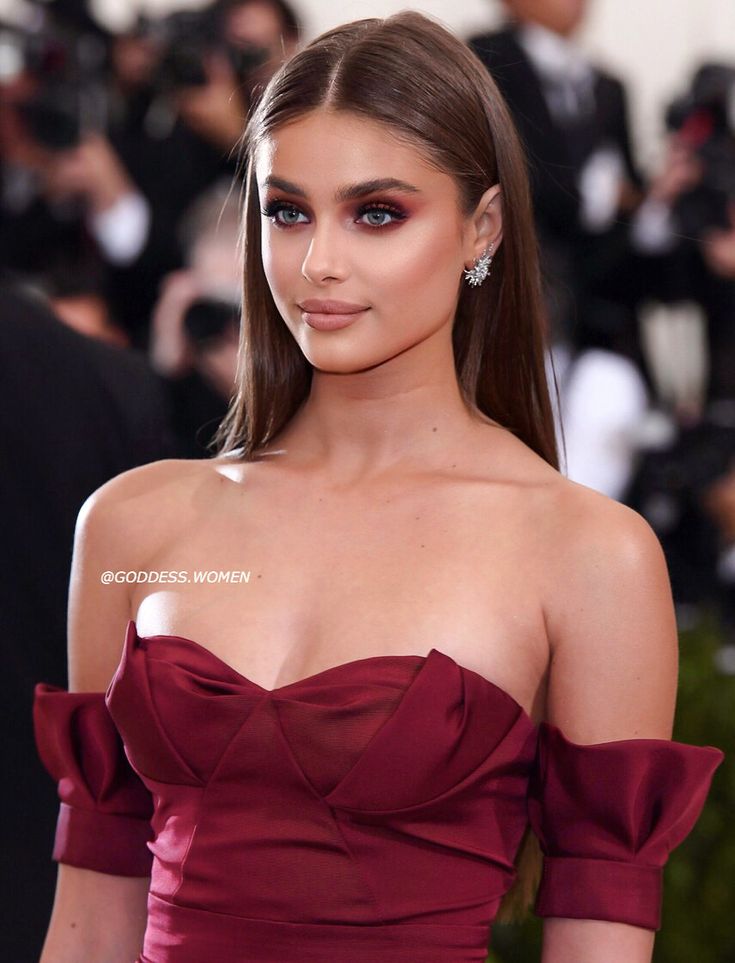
[[329, 315]]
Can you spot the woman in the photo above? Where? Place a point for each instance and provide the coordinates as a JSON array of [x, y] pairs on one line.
[[439, 638]]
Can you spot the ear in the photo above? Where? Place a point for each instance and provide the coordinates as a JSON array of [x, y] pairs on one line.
[[484, 226]]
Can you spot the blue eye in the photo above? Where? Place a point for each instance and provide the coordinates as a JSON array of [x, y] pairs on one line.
[[395, 213], [290, 214], [273, 209]]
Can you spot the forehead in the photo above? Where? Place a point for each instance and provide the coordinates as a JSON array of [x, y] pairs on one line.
[[325, 148]]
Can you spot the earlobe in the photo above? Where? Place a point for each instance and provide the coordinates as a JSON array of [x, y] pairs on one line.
[[481, 268]]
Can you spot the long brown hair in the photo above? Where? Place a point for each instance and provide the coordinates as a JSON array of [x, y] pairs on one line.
[[410, 73]]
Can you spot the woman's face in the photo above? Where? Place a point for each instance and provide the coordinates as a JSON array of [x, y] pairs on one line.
[[330, 231]]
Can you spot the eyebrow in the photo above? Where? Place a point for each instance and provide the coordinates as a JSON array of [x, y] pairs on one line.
[[350, 191]]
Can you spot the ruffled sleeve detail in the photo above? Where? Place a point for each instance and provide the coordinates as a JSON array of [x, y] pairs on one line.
[[607, 816], [105, 812]]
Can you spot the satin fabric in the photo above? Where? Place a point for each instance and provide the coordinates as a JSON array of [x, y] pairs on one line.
[[372, 810]]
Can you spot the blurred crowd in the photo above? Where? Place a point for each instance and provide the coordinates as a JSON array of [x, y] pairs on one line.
[[119, 318], [119, 196], [639, 278], [118, 181], [120, 298]]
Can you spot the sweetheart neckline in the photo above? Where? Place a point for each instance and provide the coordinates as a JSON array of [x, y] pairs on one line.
[[333, 668], [542, 726]]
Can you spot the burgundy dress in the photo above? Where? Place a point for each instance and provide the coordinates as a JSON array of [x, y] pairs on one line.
[[369, 812]]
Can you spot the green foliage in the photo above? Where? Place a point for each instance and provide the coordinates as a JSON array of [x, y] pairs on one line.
[[698, 902], [699, 892], [516, 942]]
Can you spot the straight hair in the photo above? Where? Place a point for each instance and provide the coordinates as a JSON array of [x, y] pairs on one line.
[[410, 73]]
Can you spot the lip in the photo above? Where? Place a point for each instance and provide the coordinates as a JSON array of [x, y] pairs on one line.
[[329, 315], [330, 306]]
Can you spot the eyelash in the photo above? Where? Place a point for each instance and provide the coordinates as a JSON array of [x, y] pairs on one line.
[[396, 213]]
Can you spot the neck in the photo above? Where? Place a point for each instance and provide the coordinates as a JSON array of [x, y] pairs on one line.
[[404, 414], [549, 28], [565, 35]]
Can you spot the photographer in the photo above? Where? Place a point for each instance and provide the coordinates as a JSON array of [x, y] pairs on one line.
[[250, 40], [686, 224], [164, 127], [686, 228], [195, 325]]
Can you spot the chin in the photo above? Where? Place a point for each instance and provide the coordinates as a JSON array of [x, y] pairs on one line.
[[342, 366], [347, 360]]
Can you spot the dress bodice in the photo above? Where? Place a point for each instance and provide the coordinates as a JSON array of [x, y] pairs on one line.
[[375, 807]]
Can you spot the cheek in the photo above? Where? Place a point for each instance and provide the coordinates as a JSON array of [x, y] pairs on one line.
[[281, 265], [413, 272], [420, 275]]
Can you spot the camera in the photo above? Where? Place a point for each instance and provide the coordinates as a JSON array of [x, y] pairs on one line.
[[668, 489], [66, 65], [185, 38], [704, 119], [208, 318]]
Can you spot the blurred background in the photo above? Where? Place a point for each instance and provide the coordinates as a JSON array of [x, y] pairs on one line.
[[119, 320]]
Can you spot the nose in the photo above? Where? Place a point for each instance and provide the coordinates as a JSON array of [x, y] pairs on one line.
[[324, 260]]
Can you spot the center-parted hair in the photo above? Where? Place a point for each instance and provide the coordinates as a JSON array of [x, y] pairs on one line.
[[429, 89]]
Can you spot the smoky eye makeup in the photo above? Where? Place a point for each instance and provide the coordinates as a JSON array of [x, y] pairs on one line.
[[395, 211], [273, 208], [384, 213]]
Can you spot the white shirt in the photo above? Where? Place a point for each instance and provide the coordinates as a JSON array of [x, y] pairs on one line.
[[570, 76], [603, 401], [122, 230]]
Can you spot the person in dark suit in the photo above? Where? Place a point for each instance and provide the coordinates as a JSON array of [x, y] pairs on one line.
[[572, 117], [74, 412]]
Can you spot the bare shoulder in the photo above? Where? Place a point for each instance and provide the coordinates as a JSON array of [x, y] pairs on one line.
[[165, 476], [137, 506], [579, 542], [591, 528], [610, 619], [572, 517], [119, 526]]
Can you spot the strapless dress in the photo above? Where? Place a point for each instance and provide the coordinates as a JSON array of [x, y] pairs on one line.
[[371, 811]]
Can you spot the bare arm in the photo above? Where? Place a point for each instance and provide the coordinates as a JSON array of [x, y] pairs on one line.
[[97, 916], [595, 941], [613, 674]]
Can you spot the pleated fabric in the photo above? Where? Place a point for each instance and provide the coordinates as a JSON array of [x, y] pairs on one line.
[[373, 810]]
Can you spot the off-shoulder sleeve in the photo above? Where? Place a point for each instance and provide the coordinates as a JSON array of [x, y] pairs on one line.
[[607, 816], [105, 811]]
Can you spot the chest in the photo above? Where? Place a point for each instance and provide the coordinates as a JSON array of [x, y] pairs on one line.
[[283, 584]]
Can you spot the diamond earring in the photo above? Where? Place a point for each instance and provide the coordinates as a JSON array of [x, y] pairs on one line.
[[481, 268]]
